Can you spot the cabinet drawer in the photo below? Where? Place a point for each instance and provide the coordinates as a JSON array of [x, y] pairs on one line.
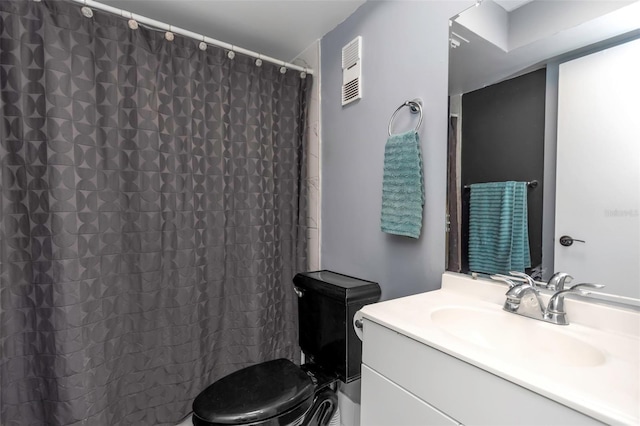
[[460, 390], [383, 403]]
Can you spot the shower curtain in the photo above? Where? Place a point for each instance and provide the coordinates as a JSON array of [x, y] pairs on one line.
[[152, 217]]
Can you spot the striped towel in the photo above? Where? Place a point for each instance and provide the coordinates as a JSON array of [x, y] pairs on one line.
[[402, 186], [498, 228]]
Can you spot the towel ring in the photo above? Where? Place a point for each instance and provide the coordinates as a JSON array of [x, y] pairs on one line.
[[415, 107]]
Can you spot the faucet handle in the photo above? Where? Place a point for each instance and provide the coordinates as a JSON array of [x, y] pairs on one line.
[[519, 274], [503, 278], [579, 287], [556, 302], [558, 281]]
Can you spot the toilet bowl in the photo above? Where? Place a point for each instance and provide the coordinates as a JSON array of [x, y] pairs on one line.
[[278, 392]]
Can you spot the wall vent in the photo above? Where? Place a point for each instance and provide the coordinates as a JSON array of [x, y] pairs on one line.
[[352, 71]]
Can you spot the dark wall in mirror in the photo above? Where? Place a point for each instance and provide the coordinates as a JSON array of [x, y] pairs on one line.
[[503, 128]]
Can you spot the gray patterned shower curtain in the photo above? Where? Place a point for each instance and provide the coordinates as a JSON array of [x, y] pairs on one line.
[[152, 217]]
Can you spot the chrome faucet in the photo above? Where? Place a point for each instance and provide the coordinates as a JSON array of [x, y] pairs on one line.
[[524, 298], [555, 310], [558, 281]]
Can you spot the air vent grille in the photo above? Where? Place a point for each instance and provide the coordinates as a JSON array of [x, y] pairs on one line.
[[352, 71], [351, 53], [351, 91]]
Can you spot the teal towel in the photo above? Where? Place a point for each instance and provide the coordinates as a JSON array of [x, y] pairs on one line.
[[402, 186], [498, 228]]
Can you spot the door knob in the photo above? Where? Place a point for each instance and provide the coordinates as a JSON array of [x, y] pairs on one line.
[[567, 241]]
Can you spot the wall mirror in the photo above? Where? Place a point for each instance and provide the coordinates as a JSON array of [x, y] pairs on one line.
[[496, 43]]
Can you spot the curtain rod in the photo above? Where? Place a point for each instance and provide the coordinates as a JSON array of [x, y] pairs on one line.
[[208, 40]]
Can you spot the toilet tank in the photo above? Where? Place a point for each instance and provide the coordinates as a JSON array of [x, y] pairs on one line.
[[327, 302]]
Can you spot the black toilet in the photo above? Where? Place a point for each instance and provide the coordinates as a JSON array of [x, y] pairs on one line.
[[279, 392]]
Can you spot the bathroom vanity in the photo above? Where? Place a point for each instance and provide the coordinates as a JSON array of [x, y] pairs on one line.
[[453, 356]]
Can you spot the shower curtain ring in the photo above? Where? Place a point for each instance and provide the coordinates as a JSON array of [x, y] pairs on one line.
[[133, 24], [86, 10], [169, 35], [259, 60], [231, 53], [203, 44]]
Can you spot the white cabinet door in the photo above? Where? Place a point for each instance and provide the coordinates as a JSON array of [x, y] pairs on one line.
[[386, 404], [461, 390], [598, 169]]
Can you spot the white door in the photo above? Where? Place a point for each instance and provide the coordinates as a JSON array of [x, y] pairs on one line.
[[598, 169]]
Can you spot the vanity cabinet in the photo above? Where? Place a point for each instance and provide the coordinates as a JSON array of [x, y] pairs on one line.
[[389, 404], [406, 382]]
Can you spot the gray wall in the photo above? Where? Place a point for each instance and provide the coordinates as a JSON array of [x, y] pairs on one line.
[[405, 55]]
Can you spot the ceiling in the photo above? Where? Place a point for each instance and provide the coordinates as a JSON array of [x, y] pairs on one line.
[[510, 5], [280, 29], [559, 30]]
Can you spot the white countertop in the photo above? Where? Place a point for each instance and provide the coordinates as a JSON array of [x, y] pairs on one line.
[[609, 392]]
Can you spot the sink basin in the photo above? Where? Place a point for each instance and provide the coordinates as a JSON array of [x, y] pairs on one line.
[[517, 336]]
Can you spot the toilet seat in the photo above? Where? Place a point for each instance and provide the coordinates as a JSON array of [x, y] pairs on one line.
[[256, 394]]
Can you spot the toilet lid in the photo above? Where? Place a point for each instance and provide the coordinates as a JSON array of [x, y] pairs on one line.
[[254, 393]]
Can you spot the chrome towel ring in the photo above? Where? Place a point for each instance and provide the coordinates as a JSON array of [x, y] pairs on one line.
[[415, 107]]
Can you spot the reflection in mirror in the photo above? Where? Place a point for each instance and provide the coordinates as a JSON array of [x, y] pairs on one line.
[[509, 62]]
